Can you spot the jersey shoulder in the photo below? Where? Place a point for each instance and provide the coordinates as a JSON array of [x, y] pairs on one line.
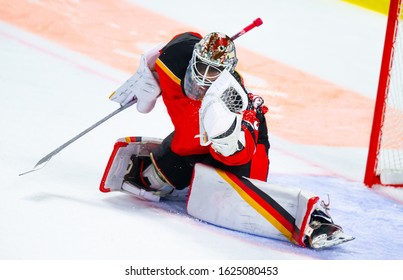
[[177, 53]]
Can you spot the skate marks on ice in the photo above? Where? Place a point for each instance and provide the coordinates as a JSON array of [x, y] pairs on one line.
[[202, 240], [375, 220], [369, 217]]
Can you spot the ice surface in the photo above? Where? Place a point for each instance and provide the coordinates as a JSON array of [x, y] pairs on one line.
[[50, 93]]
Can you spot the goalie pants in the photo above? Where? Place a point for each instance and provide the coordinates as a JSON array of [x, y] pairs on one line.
[[178, 169]]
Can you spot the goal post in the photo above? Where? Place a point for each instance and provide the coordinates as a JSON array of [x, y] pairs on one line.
[[385, 153]]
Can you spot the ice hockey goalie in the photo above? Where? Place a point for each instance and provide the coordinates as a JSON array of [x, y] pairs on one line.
[[223, 199]]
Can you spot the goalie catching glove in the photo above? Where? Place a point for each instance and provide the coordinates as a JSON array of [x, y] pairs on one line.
[[143, 86], [221, 115]]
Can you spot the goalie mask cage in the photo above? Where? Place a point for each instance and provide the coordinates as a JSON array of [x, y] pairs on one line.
[[385, 154]]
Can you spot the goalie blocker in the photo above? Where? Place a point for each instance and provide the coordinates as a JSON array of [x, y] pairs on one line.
[[223, 199]]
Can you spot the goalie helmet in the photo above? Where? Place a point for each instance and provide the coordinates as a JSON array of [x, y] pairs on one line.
[[214, 53]]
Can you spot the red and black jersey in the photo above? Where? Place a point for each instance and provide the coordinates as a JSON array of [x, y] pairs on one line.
[[184, 112]]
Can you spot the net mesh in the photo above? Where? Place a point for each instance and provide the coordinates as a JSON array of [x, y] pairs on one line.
[[391, 145], [233, 100]]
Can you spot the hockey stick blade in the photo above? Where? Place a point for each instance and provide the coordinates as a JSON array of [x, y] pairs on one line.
[[39, 165], [43, 161]]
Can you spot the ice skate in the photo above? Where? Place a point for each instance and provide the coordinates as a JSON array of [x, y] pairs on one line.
[[143, 181], [323, 233], [134, 172]]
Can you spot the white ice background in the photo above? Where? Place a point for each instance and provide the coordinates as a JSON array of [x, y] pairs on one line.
[[49, 94]]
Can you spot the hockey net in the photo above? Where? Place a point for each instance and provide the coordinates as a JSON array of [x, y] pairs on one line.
[[385, 156]]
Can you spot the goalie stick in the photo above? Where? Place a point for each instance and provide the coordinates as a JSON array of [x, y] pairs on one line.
[[257, 22], [43, 161]]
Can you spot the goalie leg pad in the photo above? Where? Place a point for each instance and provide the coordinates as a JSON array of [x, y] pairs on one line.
[[248, 205], [124, 148]]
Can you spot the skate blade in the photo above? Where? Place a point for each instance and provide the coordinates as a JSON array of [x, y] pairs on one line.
[[329, 241], [139, 193]]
